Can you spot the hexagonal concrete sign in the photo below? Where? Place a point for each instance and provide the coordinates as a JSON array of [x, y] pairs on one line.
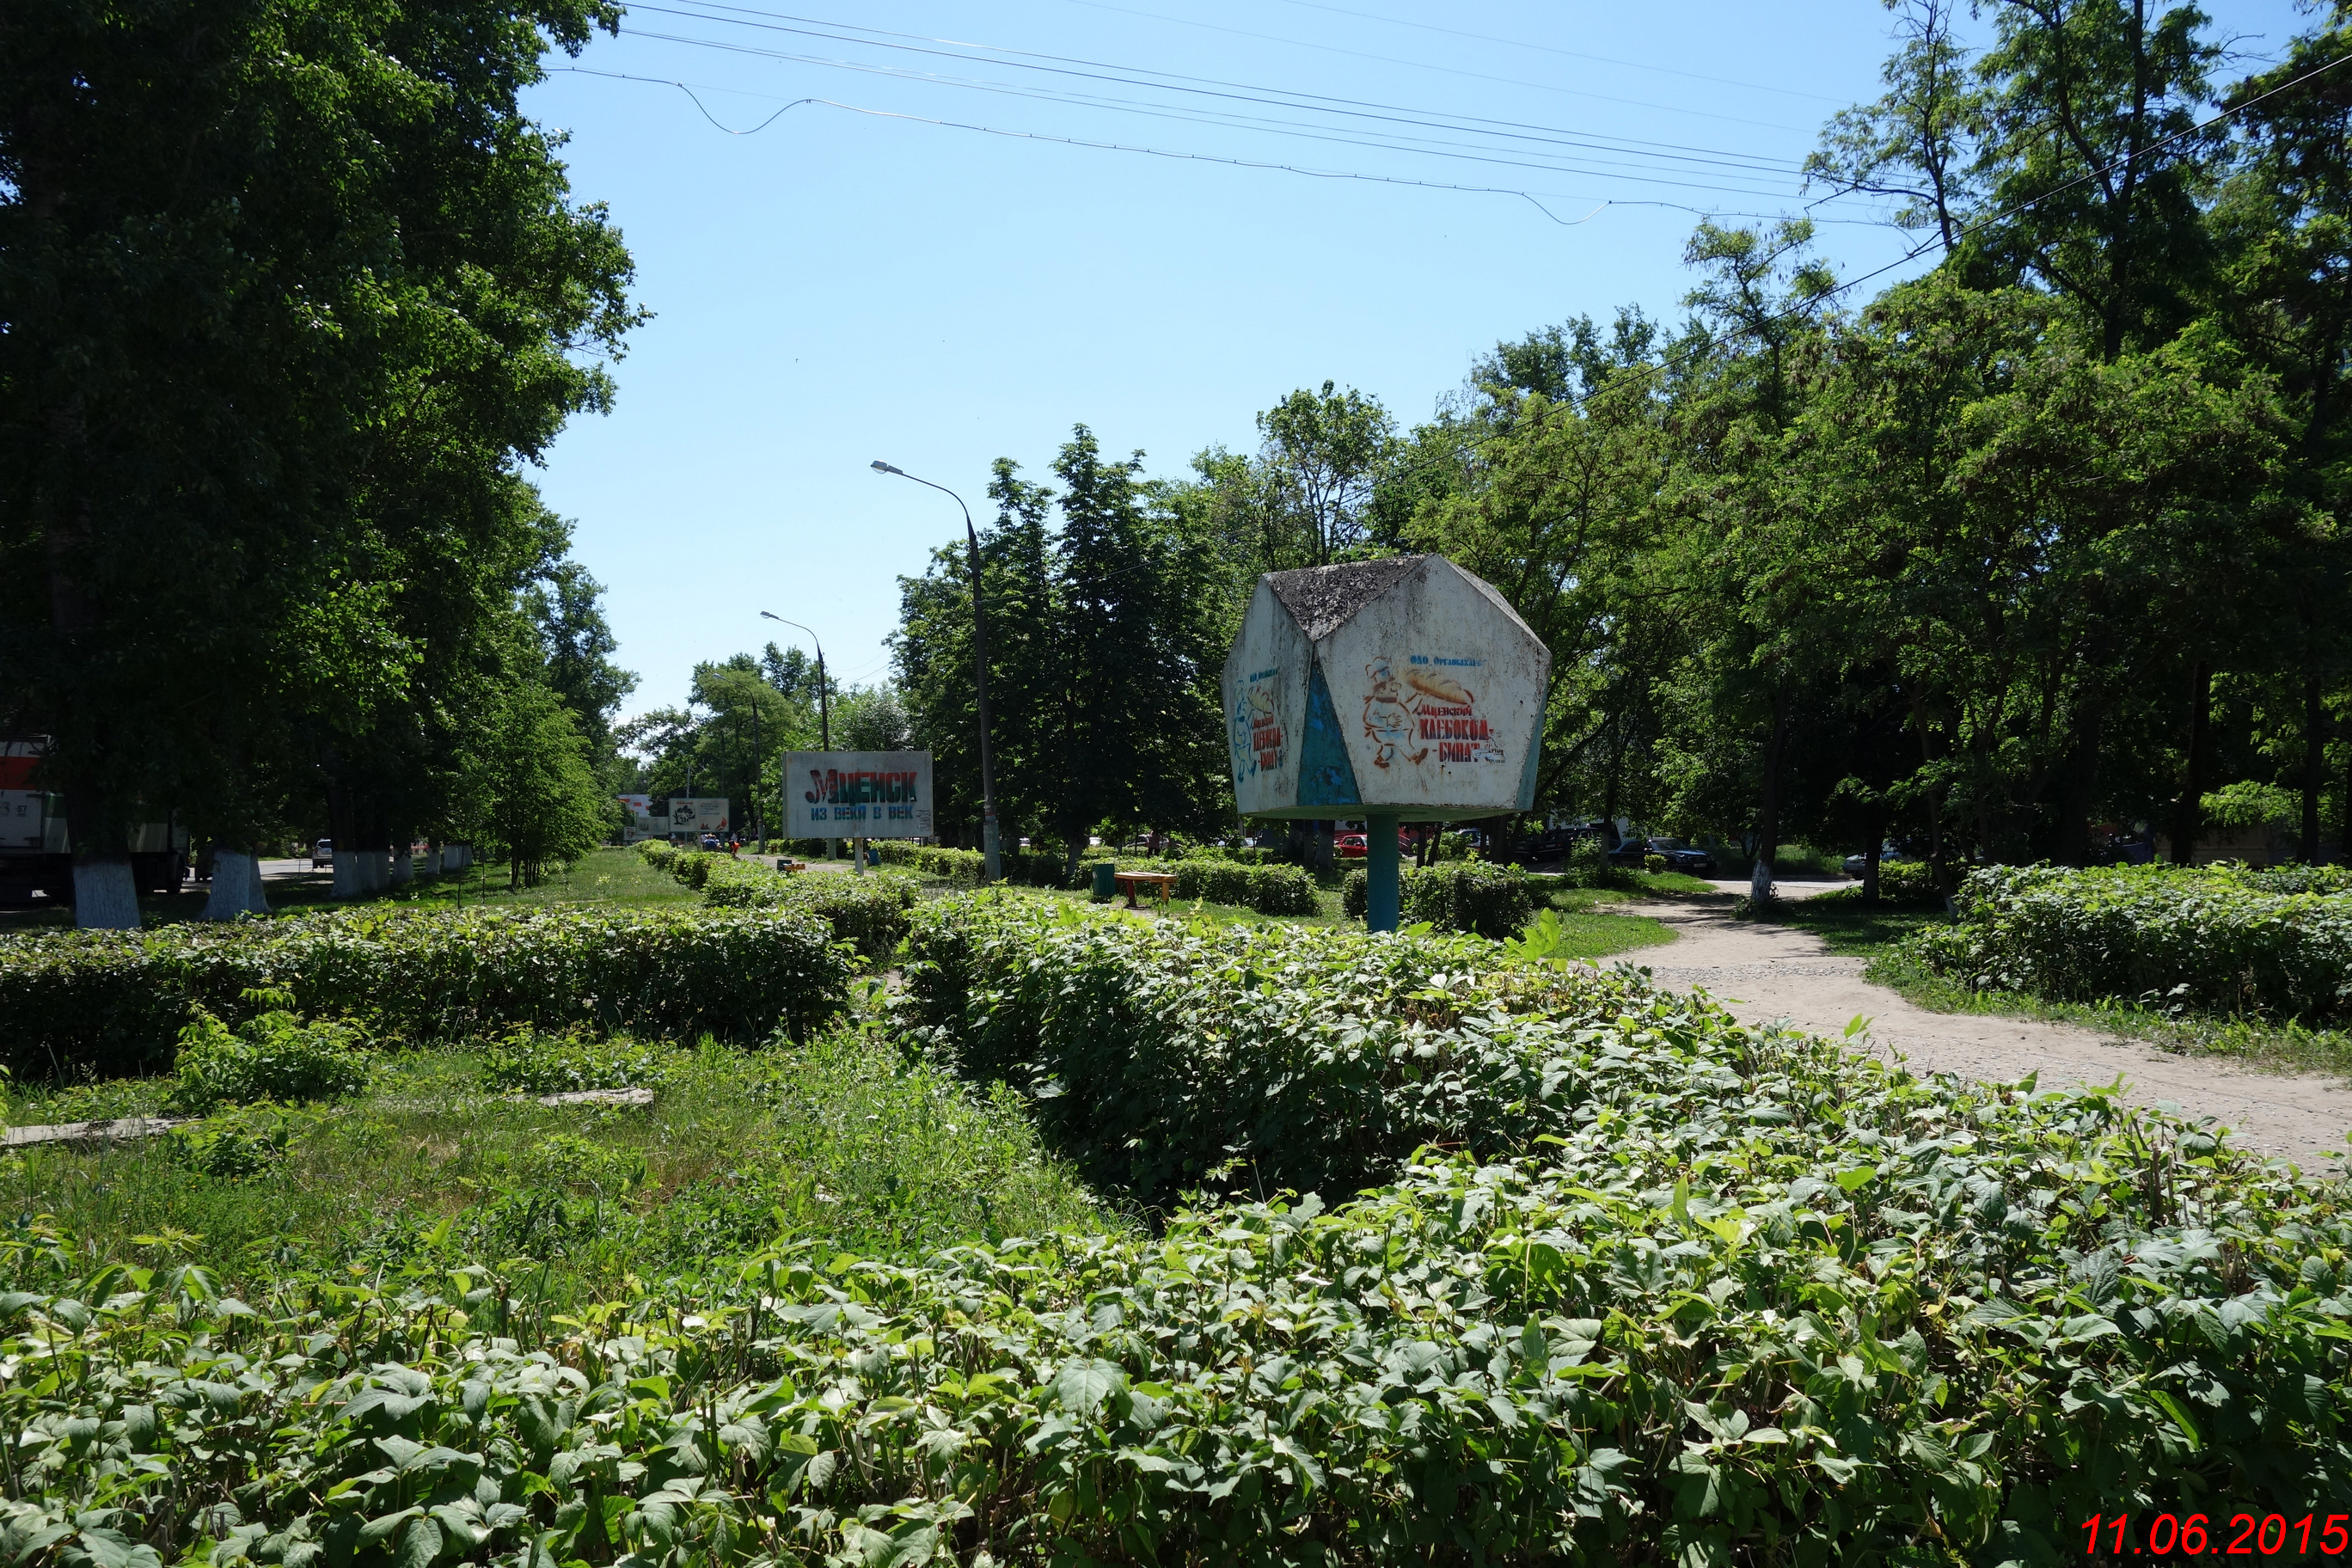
[[1405, 688]]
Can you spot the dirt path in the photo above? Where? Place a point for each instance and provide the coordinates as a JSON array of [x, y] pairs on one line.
[[1776, 973]]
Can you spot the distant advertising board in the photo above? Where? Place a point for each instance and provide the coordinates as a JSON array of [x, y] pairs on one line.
[[638, 820], [858, 795], [697, 815]]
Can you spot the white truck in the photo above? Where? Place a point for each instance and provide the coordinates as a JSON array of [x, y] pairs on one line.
[[37, 852]]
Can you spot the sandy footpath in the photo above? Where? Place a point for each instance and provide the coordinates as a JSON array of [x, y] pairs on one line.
[[1765, 972]]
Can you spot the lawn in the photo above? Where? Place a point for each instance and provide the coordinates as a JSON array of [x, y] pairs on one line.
[[843, 1140]]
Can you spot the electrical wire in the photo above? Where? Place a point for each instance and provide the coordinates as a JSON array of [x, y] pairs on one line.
[[1553, 49], [1171, 81], [1423, 65], [1276, 129]]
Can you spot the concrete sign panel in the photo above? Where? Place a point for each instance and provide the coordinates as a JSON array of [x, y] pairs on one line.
[[1405, 687], [858, 795], [638, 822]]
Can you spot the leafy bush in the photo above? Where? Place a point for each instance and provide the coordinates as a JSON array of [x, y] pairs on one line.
[[1239, 854], [1758, 1299], [2248, 804], [109, 1002], [236, 1147], [1270, 889], [869, 912], [1906, 881], [2208, 937], [1467, 896], [659, 855], [962, 867], [273, 1056], [530, 1061]]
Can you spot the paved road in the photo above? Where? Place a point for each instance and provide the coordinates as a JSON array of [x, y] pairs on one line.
[[1767, 972]]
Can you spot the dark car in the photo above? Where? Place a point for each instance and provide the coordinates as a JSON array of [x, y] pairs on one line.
[[1552, 844], [1688, 859]]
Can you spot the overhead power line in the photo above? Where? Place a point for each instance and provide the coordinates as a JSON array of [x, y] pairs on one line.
[[1429, 64], [1213, 86], [1590, 169]]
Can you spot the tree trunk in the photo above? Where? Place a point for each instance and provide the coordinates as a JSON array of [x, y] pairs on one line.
[[1870, 859], [2076, 799], [402, 869], [2188, 814], [1767, 816], [2314, 765], [105, 895], [235, 872]]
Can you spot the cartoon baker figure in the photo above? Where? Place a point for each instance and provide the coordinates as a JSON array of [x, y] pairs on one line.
[[1388, 722]]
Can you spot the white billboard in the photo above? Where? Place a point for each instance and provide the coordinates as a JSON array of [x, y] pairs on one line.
[[858, 795], [697, 815], [638, 822]]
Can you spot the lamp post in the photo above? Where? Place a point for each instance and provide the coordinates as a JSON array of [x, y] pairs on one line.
[[823, 715], [991, 869], [823, 707]]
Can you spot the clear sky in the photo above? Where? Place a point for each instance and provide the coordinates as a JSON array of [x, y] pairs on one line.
[[841, 285]]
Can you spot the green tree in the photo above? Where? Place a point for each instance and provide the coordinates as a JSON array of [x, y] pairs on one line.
[[531, 798]]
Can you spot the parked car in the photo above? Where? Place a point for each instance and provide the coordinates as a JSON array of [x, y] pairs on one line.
[[1356, 847], [1888, 854], [1553, 844], [322, 853], [1688, 859]]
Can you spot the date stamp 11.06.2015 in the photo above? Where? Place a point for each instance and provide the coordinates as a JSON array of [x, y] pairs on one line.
[[2200, 1535]]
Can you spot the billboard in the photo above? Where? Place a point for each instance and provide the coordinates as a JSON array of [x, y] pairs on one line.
[[638, 820], [697, 815], [858, 795]]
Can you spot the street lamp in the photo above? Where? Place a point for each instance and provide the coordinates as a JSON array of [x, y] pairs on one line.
[[823, 707], [991, 868]]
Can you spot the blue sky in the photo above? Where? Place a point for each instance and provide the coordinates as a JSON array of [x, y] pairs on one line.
[[859, 280]]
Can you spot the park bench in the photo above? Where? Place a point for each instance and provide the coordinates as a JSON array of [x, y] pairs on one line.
[[1163, 884]]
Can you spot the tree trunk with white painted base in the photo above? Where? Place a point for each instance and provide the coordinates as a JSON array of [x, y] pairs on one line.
[[235, 872], [402, 869], [106, 896]]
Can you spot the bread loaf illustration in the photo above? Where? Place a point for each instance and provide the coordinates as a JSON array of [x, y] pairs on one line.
[[1444, 688]]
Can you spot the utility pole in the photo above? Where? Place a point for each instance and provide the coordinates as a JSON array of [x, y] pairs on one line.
[[991, 863]]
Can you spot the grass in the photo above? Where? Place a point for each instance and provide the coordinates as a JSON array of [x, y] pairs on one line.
[[844, 1140]]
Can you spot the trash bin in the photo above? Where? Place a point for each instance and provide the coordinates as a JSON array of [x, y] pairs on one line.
[[1106, 881]]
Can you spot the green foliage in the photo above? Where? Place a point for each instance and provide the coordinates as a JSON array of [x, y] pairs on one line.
[[2247, 804], [1747, 1295], [271, 1056], [869, 912], [533, 800], [236, 1147], [962, 867], [1463, 896], [2210, 939], [1270, 889], [103, 1002], [530, 1061]]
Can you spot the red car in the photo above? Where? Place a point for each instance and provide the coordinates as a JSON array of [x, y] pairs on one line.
[[1355, 847]]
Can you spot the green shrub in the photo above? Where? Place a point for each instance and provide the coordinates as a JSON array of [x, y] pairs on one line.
[[869, 912], [660, 856], [2212, 939], [247, 1142], [1905, 881], [1239, 854], [962, 867], [111, 1002], [1653, 863], [530, 1061], [1466, 896], [273, 1056], [1747, 1297], [1270, 889]]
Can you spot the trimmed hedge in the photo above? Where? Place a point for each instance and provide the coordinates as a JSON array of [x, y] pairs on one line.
[[869, 912], [962, 867], [1746, 1298], [113, 1001], [2211, 938], [1467, 896], [1270, 889]]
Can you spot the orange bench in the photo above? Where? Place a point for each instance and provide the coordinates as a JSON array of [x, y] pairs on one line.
[[1162, 883]]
